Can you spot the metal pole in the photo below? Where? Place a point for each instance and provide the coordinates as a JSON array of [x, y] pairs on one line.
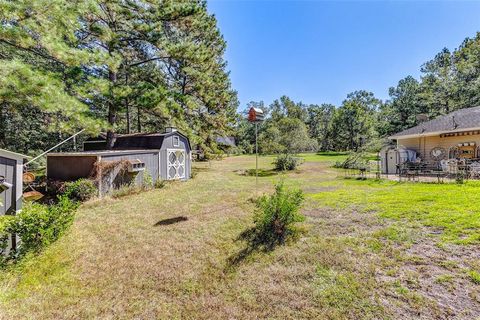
[[256, 153], [54, 147]]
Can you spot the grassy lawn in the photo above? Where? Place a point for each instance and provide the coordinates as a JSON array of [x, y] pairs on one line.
[[450, 208], [370, 250]]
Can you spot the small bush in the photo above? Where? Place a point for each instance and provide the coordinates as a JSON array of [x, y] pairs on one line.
[[39, 225], [276, 214], [80, 190], [355, 160], [147, 180], [286, 162], [159, 184], [36, 225], [5, 234]]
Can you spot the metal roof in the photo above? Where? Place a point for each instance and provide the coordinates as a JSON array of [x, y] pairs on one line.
[[13, 155], [227, 141], [100, 153], [457, 121], [122, 139]]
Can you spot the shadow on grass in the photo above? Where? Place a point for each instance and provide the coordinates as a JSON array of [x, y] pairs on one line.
[[255, 242], [166, 222]]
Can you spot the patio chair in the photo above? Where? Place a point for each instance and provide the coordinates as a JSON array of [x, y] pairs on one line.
[[475, 170], [452, 167], [444, 165]]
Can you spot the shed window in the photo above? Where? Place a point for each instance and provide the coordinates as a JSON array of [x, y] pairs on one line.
[[176, 141]]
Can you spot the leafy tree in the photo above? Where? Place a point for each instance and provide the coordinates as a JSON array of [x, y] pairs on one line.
[[320, 124], [401, 111], [354, 120], [161, 61]]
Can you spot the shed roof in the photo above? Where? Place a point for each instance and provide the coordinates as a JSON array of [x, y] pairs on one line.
[[159, 135], [227, 141], [99, 153], [460, 120], [13, 155]]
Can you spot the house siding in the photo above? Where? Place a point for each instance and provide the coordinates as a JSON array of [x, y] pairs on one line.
[[423, 145]]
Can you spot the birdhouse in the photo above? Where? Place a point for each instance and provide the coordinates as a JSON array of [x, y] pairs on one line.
[[255, 115]]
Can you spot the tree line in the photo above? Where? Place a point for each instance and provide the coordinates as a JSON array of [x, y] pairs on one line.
[[115, 65], [448, 82]]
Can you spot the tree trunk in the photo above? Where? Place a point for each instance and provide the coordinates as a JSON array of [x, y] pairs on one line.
[[139, 123], [127, 106], [112, 111]]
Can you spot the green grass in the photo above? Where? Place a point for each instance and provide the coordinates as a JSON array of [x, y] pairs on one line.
[[328, 156], [474, 276], [450, 208], [119, 260]]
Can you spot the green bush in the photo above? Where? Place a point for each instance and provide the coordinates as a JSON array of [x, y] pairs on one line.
[[36, 225], [159, 184], [286, 162], [39, 225], [80, 190], [277, 214], [355, 160], [5, 233], [147, 180]]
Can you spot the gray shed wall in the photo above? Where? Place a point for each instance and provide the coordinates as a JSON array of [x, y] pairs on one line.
[[150, 160], [8, 198], [72, 167]]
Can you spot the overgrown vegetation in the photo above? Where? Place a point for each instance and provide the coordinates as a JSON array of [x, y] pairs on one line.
[[80, 190], [277, 214], [286, 162], [37, 226]]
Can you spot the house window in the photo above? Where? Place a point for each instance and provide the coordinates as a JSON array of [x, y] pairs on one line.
[[176, 141]]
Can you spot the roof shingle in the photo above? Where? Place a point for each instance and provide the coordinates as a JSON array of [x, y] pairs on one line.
[[463, 119]]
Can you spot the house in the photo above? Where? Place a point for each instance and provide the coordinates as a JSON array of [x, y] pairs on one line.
[[11, 184], [161, 156], [452, 136]]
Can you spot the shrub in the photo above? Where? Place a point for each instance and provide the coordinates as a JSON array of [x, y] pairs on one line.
[[39, 225], [355, 160], [147, 180], [5, 233], [286, 162], [159, 184], [276, 214], [80, 190]]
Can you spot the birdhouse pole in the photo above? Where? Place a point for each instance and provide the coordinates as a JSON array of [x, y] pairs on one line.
[[255, 115]]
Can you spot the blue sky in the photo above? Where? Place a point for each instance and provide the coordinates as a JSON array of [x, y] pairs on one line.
[[318, 52]]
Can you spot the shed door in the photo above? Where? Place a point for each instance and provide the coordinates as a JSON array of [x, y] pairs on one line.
[[7, 197], [175, 164]]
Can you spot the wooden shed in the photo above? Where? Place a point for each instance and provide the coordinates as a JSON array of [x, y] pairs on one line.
[[165, 156]]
